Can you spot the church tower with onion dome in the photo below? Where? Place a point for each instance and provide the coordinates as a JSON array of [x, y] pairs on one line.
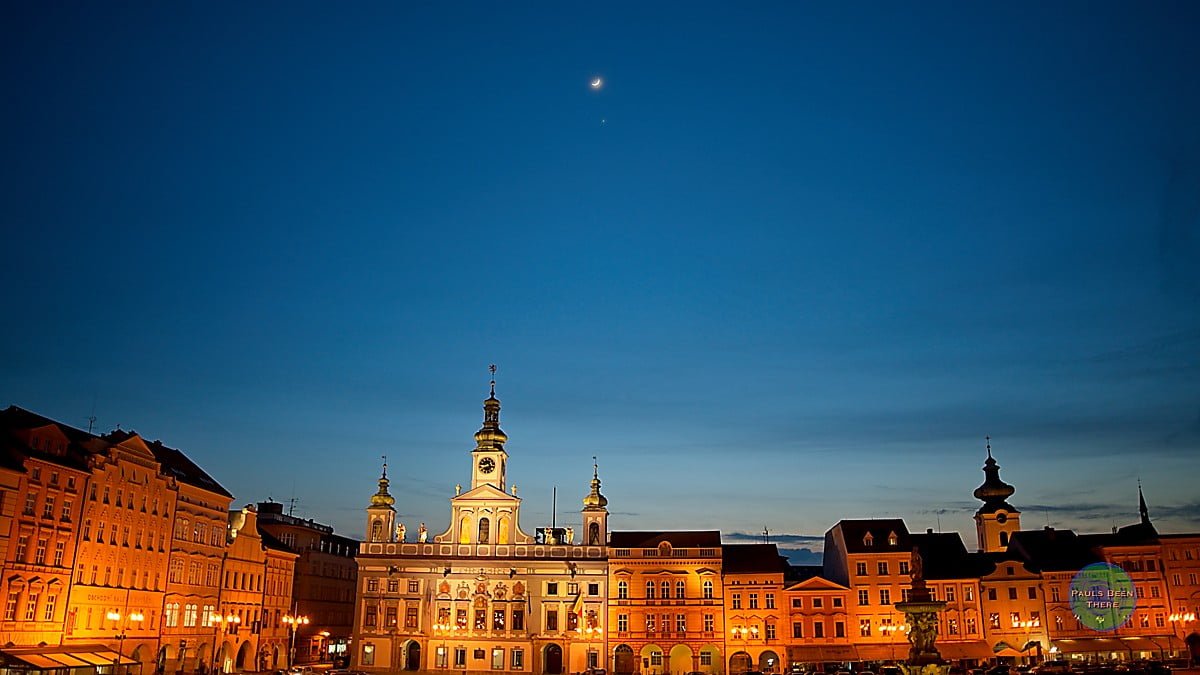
[[996, 520], [595, 512], [381, 514]]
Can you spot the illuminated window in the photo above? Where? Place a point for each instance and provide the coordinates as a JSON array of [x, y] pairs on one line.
[[10, 607], [172, 614], [31, 607], [708, 589], [650, 590], [48, 508], [709, 623], [864, 627], [969, 593], [681, 623], [666, 589], [39, 553], [706, 657], [622, 623], [863, 597], [622, 590], [949, 594], [680, 589], [770, 630], [191, 615], [518, 659], [994, 620], [952, 626], [497, 656], [736, 601], [414, 586], [971, 626]]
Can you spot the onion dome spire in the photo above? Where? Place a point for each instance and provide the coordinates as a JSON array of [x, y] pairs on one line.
[[994, 491], [383, 497], [490, 436], [595, 500]]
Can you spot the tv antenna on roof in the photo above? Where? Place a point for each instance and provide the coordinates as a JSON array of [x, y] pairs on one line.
[[292, 504]]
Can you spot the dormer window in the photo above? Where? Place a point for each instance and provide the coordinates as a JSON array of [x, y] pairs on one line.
[[893, 539], [868, 540]]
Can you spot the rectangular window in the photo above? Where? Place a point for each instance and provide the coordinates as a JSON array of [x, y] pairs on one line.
[[48, 508], [66, 511], [903, 567], [863, 597], [1012, 594], [593, 589], [994, 620], [368, 655], [860, 569], [370, 617], [518, 659], [949, 594], [39, 554], [969, 593], [818, 629], [622, 623], [480, 619], [882, 567], [797, 603], [414, 586], [518, 619], [709, 623], [971, 628], [905, 594], [797, 629], [22, 547], [572, 588], [393, 586], [1033, 592], [552, 588], [681, 623], [373, 585], [737, 601], [51, 601], [839, 629], [991, 594], [497, 658], [770, 601], [864, 627], [410, 617], [754, 601], [460, 657], [770, 628], [497, 619], [31, 607], [952, 625], [885, 596], [706, 658], [552, 619], [10, 607], [818, 603], [1014, 617], [656, 658]]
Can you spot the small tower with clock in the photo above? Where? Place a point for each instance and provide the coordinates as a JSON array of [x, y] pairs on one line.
[[489, 457], [996, 520]]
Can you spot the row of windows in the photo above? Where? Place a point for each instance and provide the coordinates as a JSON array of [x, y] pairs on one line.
[[213, 535], [40, 551], [126, 503], [142, 538], [12, 606], [126, 577], [442, 654], [35, 474], [818, 629], [665, 587], [736, 601], [193, 615], [881, 568], [817, 603], [197, 573], [678, 622]]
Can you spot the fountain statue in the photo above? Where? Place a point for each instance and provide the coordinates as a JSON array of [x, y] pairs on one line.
[[921, 611]]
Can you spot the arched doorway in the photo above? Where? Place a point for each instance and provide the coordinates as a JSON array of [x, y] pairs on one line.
[[652, 659], [623, 660], [222, 657], [244, 657], [680, 660], [739, 663], [768, 662], [412, 656], [1193, 645], [710, 659], [553, 661], [203, 655]]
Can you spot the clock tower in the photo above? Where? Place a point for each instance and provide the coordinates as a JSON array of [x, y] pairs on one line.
[[996, 520], [489, 459]]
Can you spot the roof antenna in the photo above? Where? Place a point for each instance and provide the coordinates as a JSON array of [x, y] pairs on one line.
[[766, 535], [92, 417], [939, 520]]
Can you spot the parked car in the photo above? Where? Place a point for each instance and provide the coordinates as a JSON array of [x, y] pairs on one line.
[[1057, 667]]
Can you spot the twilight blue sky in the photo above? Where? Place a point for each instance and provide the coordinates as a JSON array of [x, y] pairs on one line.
[[790, 264]]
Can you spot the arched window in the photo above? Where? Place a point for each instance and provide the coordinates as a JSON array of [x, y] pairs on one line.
[[594, 534], [708, 588], [376, 530], [622, 590], [666, 589], [464, 530], [680, 589], [650, 590], [484, 530], [503, 535]]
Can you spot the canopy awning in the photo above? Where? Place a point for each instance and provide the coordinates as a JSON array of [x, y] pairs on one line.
[[1118, 645], [821, 653], [974, 649], [886, 652], [61, 658]]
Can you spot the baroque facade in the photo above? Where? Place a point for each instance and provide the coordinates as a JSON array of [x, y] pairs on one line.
[[482, 595]]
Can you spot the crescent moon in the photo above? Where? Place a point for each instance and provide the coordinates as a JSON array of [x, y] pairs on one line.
[[596, 83]]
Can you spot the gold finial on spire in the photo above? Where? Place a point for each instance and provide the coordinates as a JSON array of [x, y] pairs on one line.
[[384, 458], [492, 369], [596, 468], [989, 445]]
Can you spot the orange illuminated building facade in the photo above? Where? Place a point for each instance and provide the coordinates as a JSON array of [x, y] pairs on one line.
[[666, 608], [121, 565], [817, 621], [45, 506], [754, 612], [196, 543], [242, 643]]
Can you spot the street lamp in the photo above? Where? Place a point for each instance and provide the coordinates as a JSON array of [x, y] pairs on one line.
[[1028, 627], [444, 629], [293, 622], [115, 617], [1181, 619], [230, 621], [743, 633], [892, 629]]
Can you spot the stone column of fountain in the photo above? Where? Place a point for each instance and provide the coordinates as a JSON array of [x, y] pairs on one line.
[[921, 613]]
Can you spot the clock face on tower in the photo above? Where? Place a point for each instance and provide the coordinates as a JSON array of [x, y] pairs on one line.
[[487, 465]]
